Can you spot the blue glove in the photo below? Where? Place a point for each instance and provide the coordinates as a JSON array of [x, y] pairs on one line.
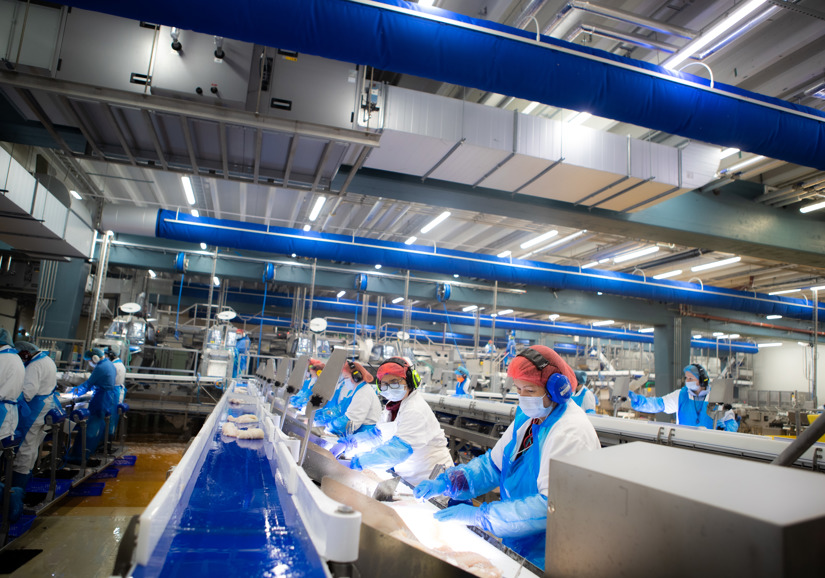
[[429, 488], [646, 404], [462, 513], [384, 456], [338, 449], [338, 425], [355, 464]]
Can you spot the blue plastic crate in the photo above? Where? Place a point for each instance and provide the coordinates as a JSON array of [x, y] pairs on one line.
[[125, 461], [41, 485], [21, 526], [88, 489], [106, 474]]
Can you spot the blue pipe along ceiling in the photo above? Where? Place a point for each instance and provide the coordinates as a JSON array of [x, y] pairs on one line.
[[281, 240], [405, 38]]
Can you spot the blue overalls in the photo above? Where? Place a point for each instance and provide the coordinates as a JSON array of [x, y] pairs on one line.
[[693, 411], [103, 400], [338, 425], [519, 479]]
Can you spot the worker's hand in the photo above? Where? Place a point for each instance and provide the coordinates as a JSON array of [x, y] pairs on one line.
[[635, 398], [355, 464], [429, 488], [338, 449], [461, 513]]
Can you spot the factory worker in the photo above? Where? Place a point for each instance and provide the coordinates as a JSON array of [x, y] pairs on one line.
[[120, 386], [357, 408], [729, 421], [547, 424], [39, 385], [511, 349], [102, 382], [12, 374], [688, 403], [300, 399], [583, 396], [411, 440], [462, 378]]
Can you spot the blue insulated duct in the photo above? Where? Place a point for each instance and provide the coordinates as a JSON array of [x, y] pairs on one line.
[[403, 37], [346, 306], [280, 240]]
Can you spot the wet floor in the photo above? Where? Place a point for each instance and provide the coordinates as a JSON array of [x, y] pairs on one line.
[[81, 535]]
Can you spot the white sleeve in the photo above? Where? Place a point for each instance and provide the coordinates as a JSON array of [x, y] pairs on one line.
[[589, 401], [672, 401], [571, 435], [359, 407], [31, 381]]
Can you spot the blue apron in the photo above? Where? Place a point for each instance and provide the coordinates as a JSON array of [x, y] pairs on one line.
[[28, 411], [579, 398], [519, 479], [693, 411], [344, 406], [459, 390]]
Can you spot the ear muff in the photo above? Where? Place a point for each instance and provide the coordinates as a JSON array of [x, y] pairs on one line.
[[704, 379], [95, 359], [558, 386], [357, 377]]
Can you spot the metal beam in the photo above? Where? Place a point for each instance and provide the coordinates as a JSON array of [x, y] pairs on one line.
[[224, 152], [147, 119], [319, 170], [75, 117], [256, 170], [190, 148], [121, 138], [290, 157], [721, 219]]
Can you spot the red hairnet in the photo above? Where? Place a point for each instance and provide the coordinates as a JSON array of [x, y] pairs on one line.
[[523, 368], [364, 373], [316, 364], [392, 368]]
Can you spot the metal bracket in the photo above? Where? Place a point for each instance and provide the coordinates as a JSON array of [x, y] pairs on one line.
[[659, 435], [817, 458], [670, 436]]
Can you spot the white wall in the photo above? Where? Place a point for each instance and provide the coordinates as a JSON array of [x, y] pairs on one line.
[[786, 368]]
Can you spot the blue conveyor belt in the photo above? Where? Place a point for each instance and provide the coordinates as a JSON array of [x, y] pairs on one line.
[[238, 520]]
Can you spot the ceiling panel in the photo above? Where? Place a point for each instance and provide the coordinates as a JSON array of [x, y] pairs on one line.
[[468, 164]]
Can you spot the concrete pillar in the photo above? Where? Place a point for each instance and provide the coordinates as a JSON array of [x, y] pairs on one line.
[[671, 345], [63, 315]]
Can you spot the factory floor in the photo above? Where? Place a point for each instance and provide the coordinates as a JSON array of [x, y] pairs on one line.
[[80, 536]]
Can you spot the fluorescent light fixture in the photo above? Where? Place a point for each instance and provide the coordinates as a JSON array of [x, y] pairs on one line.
[[733, 336], [646, 330], [426, 2], [187, 189], [435, 222], [340, 294], [152, 274], [773, 317], [536, 240], [554, 316], [530, 254], [195, 213], [307, 228], [806, 209], [718, 334], [216, 281], [697, 337], [203, 246], [411, 240], [76, 195], [455, 275], [716, 264], [727, 152], [589, 265], [605, 260], [820, 288], [698, 43], [668, 274], [599, 293], [562, 241], [636, 254], [739, 166], [530, 107], [505, 312], [579, 118], [802, 343], [397, 300], [378, 265], [504, 254], [294, 255], [761, 345], [603, 323], [469, 308], [785, 292], [316, 209]]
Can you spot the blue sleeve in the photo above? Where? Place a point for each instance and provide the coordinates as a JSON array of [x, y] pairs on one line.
[[472, 479], [731, 425], [515, 518], [646, 404], [363, 441], [386, 455], [338, 425], [590, 411], [79, 390]]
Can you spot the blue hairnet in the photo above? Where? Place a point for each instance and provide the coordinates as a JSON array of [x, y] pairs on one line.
[[5, 337], [461, 370], [93, 351], [26, 346], [581, 376], [694, 370]]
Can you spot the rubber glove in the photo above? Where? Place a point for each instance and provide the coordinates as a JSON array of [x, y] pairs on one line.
[[429, 488], [355, 464], [462, 513], [338, 449], [646, 404]]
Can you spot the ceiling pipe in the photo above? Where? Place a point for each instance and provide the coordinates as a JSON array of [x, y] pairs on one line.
[[628, 38], [801, 197], [752, 323], [528, 13], [684, 255], [630, 18]]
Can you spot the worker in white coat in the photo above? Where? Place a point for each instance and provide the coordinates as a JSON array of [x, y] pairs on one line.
[[12, 373], [120, 387], [39, 392], [583, 396], [547, 424], [410, 440], [356, 407]]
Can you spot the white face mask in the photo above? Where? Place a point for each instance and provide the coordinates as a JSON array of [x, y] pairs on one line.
[[693, 386], [394, 394], [534, 406]]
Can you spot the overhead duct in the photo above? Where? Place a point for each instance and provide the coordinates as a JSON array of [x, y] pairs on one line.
[[433, 43], [280, 240]]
